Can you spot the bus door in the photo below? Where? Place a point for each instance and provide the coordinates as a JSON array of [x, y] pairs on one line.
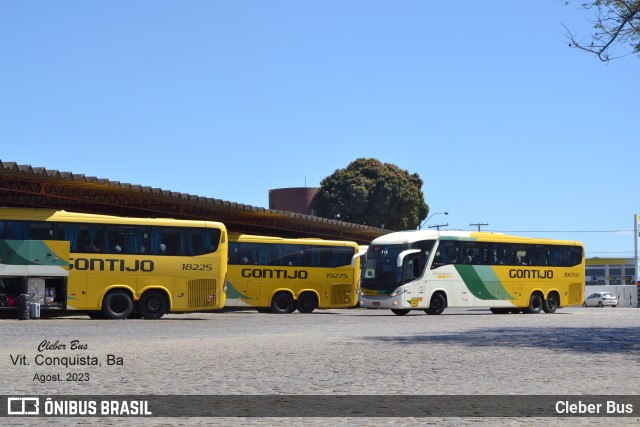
[[238, 287], [255, 288]]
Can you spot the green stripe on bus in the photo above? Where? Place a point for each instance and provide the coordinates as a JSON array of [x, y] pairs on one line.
[[483, 282]]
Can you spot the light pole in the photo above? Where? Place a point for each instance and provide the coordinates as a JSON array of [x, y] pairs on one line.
[[430, 216]]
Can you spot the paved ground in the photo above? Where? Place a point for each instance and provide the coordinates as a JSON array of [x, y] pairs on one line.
[[578, 350]]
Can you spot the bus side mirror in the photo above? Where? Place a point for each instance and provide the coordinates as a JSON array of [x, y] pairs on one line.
[[403, 254], [362, 251]]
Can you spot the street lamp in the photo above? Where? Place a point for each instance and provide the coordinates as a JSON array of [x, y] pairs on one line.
[[430, 216]]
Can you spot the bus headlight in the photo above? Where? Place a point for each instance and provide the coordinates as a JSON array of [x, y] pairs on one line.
[[397, 292]]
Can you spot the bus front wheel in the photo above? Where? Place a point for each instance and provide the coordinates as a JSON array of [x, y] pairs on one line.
[[400, 311], [117, 304], [307, 302], [153, 305], [282, 303], [437, 305]]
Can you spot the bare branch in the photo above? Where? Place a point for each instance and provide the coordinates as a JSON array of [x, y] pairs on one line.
[[616, 24]]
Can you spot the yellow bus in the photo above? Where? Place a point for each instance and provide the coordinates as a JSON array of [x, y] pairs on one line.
[[279, 275], [433, 270], [122, 267]]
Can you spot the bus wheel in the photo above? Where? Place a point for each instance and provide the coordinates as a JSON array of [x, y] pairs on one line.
[[437, 305], [117, 305], [282, 303], [400, 311], [153, 305], [551, 304], [535, 304], [307, 302]]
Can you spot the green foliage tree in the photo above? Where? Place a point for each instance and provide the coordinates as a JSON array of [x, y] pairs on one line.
[[616, 24], [372, 193]]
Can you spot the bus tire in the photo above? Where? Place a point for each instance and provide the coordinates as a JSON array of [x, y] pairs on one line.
[[437, 305], [400, 311], [535, 304], [24, 310], [551, 304], [282, 303], [307, 302], [153, 305], [117, 304]]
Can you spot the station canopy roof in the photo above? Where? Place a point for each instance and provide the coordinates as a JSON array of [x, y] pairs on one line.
[[38, 187]]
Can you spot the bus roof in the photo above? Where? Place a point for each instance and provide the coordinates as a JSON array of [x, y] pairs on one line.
[[410, 236], [18, 214], [271, 239]]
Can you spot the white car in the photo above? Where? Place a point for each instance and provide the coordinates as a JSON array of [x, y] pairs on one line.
[[601, 299]]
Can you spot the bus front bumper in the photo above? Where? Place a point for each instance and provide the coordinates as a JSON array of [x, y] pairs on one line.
[[385, 301]]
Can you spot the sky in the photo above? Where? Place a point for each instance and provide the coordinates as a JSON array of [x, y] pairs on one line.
[[505, 124]]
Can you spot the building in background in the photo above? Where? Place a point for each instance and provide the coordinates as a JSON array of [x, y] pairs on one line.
[[295, 199], [610, 271], [615, 275]]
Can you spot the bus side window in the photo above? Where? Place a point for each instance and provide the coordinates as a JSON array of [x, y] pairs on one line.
[[437, 260], [413, 268]]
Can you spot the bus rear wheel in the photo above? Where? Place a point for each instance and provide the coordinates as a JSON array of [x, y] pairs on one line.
[[400, 311], [535, 304], [282, 303], [551, 304], [437, 305], [307, 302], [117, 304], [153, 305]]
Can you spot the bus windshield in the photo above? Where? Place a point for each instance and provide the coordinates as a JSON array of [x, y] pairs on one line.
[[382, 272]]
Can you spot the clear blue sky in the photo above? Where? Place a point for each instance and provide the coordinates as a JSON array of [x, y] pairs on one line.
[[505, 124]]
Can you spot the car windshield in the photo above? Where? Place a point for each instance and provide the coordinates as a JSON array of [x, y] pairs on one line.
[[607, 295]]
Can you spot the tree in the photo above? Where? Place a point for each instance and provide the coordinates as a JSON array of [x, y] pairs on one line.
[[372, 193], [616, 24]]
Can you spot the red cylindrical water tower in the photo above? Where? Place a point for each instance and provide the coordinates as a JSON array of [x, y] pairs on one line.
[[297, 199]]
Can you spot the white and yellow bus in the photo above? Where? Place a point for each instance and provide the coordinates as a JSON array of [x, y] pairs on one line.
[[279, 275], [433, 270], [122, 267]]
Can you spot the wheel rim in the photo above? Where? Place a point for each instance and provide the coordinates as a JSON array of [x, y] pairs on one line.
[[153, 305], [282, 303], [118, 304], [536, 303]]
